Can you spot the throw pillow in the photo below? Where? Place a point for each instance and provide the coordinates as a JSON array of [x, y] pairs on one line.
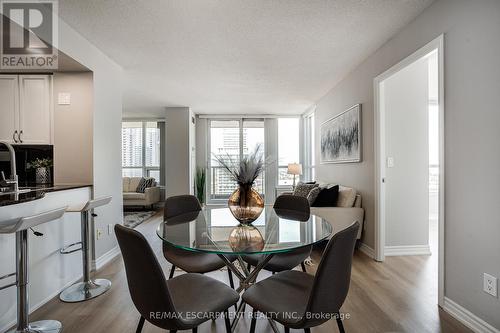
[[327, 197], [347, 196], [302, 190], [313, 194], [144, 184]]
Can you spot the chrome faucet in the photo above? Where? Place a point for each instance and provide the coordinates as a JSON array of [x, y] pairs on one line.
[[13, 182]]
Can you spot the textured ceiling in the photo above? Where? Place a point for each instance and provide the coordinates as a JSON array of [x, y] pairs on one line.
[[236, 56]]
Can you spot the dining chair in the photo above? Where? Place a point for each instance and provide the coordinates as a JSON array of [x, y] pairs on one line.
[[298, 208], [189, 261], [301, 301], [169, 304]]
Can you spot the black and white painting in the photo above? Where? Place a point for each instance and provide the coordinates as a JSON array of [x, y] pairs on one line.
[[341, 137]]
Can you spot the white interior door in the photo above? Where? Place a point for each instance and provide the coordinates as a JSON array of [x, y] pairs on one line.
[[406, 109], [9, 107], [35, 121]]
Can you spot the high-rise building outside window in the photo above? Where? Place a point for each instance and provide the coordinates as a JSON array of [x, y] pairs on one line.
[[141, 149]]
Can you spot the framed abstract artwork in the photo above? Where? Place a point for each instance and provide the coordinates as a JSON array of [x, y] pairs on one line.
[[340, 137]]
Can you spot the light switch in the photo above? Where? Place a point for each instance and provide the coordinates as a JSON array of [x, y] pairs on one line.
[[390, 162], [64, 98]]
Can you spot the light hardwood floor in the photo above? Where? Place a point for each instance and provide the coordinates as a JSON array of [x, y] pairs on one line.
[[398, 295]]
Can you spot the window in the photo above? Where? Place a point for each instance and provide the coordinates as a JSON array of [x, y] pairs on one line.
[[231, 140], [288, 148], [309, 151], [141, 149]]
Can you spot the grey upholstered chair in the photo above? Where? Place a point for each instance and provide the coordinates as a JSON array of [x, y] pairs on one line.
[[293, 207], [189, 261], [300, 301], [163, 302]]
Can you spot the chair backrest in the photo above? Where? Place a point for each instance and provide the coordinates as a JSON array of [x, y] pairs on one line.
[[180, 204], [331, 283], [292, 202], [146, 281]]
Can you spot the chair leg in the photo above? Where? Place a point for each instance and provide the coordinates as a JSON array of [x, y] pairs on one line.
[[303, 267], [230, 274], [172, 271], [195, 329], [340, 324], [227, 321], [307, 330], [249, 267], [287, 330], [253, 322], [140, 325]]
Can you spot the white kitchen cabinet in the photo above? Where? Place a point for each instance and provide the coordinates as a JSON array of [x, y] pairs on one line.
[[9, 107], [26, 114], [35, 121]]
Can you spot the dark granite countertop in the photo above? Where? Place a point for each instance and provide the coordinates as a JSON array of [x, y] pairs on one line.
[[35, 192]]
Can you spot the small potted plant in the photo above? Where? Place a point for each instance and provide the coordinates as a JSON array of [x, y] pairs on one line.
[[42, 170], [200, 180]]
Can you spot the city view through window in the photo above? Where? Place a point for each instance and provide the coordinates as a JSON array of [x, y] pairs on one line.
[[141, 149], [231, 140], [288, 148]]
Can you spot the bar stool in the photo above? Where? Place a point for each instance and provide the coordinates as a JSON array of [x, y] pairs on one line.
[[20, 227], [87, 288]]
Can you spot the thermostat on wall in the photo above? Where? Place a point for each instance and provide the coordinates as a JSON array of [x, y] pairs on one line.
[[64, 98]]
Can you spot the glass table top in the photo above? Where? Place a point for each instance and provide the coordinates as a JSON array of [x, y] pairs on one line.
[[215, 230]]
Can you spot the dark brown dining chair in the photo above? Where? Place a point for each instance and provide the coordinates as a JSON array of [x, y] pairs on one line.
[[189, 261], [301, 301], [169, 303], [296, 208]]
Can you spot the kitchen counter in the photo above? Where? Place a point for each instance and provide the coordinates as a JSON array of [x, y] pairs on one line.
[[35, 193]]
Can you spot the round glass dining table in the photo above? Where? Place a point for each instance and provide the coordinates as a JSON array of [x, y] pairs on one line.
[[215, 230]]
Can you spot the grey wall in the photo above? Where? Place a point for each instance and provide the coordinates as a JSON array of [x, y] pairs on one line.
[[405, 103], [73, 160], [472, 85], [178, 151], [107, 105]]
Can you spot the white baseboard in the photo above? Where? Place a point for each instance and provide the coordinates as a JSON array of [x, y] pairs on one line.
[[410, 250], [467, 318], [367, 250], [105, 258]]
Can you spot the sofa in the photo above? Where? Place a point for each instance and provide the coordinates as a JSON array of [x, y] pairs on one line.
[[342, 217], [347, 210], [131, 197]]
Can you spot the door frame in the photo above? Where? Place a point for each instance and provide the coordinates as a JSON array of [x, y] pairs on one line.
[[379, 131]]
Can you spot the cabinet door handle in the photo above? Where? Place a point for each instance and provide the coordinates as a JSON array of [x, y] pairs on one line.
[[19, 136], [14, 136]]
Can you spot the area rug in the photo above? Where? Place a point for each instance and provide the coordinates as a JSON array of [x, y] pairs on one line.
[[133, 219]]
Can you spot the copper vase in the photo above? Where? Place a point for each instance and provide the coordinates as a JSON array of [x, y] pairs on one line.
[[245, 204]]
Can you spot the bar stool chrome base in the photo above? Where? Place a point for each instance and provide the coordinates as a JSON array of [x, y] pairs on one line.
[[83, 291], [42, 326]]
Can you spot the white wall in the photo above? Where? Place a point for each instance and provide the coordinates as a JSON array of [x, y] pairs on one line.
[[406, 108], [472, 50], [73, 160], [107, 97]]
